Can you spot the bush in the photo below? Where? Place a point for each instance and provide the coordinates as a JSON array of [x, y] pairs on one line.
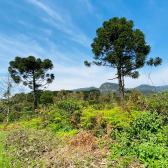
[[144, 125], [46, 97], [145, 139], [115, 117]]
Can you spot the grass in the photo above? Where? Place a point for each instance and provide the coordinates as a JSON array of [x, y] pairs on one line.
[[39, 148], [32, 148], [4, 159]]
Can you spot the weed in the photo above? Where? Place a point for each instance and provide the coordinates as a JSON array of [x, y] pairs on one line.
[[109, 164], [89, 158]]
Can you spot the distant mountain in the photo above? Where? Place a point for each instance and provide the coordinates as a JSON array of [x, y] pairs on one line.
[[86, 89], [150, 89], [108, 87], [105, 88], [160, 88]]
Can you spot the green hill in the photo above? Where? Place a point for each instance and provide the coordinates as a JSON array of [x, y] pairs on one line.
[[86, 89], [108, 87], [150, 89], [105, 88]]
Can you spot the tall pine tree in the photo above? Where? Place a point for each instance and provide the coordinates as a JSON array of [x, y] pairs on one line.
[[32, 72], [119, 45]]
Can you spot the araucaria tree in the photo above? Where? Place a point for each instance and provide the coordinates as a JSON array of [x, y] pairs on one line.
[[32, 72], [119, 45]]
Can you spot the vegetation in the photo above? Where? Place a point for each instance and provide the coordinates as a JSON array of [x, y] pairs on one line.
[[119, 45], [86, 89], [32, 72], [96, 132], [86, 128]]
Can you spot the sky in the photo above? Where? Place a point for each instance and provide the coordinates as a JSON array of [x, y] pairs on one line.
[[63, 30]]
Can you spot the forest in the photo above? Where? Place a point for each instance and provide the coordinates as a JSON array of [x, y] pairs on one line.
[[85, 128]]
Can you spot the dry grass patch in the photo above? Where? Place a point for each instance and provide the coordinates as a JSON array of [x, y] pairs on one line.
[[84, 139]]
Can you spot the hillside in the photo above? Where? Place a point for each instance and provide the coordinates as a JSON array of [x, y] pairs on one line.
[[105, 88], [108, 87], [86, 89], [150, 89]]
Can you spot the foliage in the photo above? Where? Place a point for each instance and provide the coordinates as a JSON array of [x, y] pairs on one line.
[[145, 139], [46, 97], [119, 45], [62, 95], [92, 118], [33, 123], [32, 72], [135, 135], [144, 125], [90, 94], [158, 102], [71, 111], [153, 102]]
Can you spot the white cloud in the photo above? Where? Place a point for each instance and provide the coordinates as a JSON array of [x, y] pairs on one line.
[[80, 76], [74, 35], [156, 77], [89, 5], [82, 39], [70, 74], [63, 23], [47, 31], [48, 10], [23, 23], [19, 45]]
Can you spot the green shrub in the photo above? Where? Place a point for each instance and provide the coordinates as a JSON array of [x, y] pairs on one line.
[[46, 97], [145, 139], [116, 117], [144, 125]]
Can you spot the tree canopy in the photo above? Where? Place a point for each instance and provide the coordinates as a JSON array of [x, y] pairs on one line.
[[32, 72], [119, 45], [46, 97]]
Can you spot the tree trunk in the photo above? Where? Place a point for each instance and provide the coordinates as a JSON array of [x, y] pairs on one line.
[[121, 87], [8, 111], [35, 95], [8, 93]]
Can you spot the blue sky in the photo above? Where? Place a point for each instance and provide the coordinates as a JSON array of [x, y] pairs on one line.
[[62, 30]]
